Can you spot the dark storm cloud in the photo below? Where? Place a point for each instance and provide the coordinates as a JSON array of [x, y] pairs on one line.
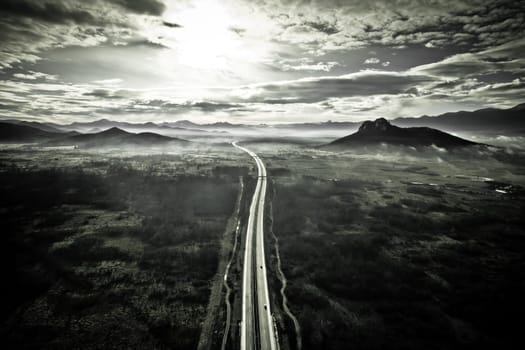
[[105, 93], [145, 43], [64, 11], [165, 106], [213, 106], [324, 27], [171, 24], [28, 27], [311, 90], [48, 11], [150, 7]]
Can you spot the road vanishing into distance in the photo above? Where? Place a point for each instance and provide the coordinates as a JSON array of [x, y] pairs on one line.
[[257, 327]]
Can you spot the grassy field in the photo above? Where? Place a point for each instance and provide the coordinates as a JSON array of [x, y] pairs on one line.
[[402, 250], [107, 251], [387, 248]]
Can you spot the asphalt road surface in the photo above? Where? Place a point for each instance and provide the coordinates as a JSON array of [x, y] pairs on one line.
[[257, 327]]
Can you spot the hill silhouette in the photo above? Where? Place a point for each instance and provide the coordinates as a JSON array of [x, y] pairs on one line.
[[10, 132], [381, 131], [116, 137], [492, 120]]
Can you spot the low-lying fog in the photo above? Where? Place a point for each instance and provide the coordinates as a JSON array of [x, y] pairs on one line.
[[277, 139], [310, 136]]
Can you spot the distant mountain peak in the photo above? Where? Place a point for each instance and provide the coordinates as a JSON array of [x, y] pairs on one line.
[[114, 131], [380, 131], [184, 123], [378, 125], [115, 137]]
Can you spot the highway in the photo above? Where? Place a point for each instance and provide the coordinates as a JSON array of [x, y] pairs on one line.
[[257, 327]]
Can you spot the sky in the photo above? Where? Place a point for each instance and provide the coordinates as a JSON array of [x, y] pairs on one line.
[[257, 61]]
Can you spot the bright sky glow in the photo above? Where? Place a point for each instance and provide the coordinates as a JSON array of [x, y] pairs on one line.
[[258, 61]]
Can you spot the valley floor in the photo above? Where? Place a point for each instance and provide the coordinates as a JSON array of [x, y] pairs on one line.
[[385, 249], [401, 250]]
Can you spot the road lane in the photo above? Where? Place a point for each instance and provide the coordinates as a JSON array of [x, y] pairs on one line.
[[257, 329]]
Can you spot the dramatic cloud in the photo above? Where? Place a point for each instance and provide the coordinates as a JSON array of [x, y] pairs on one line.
[[258, 61], [305, 64], [150, 7], [30, 27], [171, 25], [30, 75], [324, 27], [504, 58], [47, 11], [309, 90], [55, 11], [439, 23]]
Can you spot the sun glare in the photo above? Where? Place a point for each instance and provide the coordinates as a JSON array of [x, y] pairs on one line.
[[205, 39]]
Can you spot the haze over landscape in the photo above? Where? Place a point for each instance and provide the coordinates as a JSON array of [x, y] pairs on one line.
[[266, 174]]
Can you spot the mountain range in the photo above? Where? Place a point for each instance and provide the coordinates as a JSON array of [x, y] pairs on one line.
[[489, 120], [15, 133], [22, 132], [115, 137], [107, 132]]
